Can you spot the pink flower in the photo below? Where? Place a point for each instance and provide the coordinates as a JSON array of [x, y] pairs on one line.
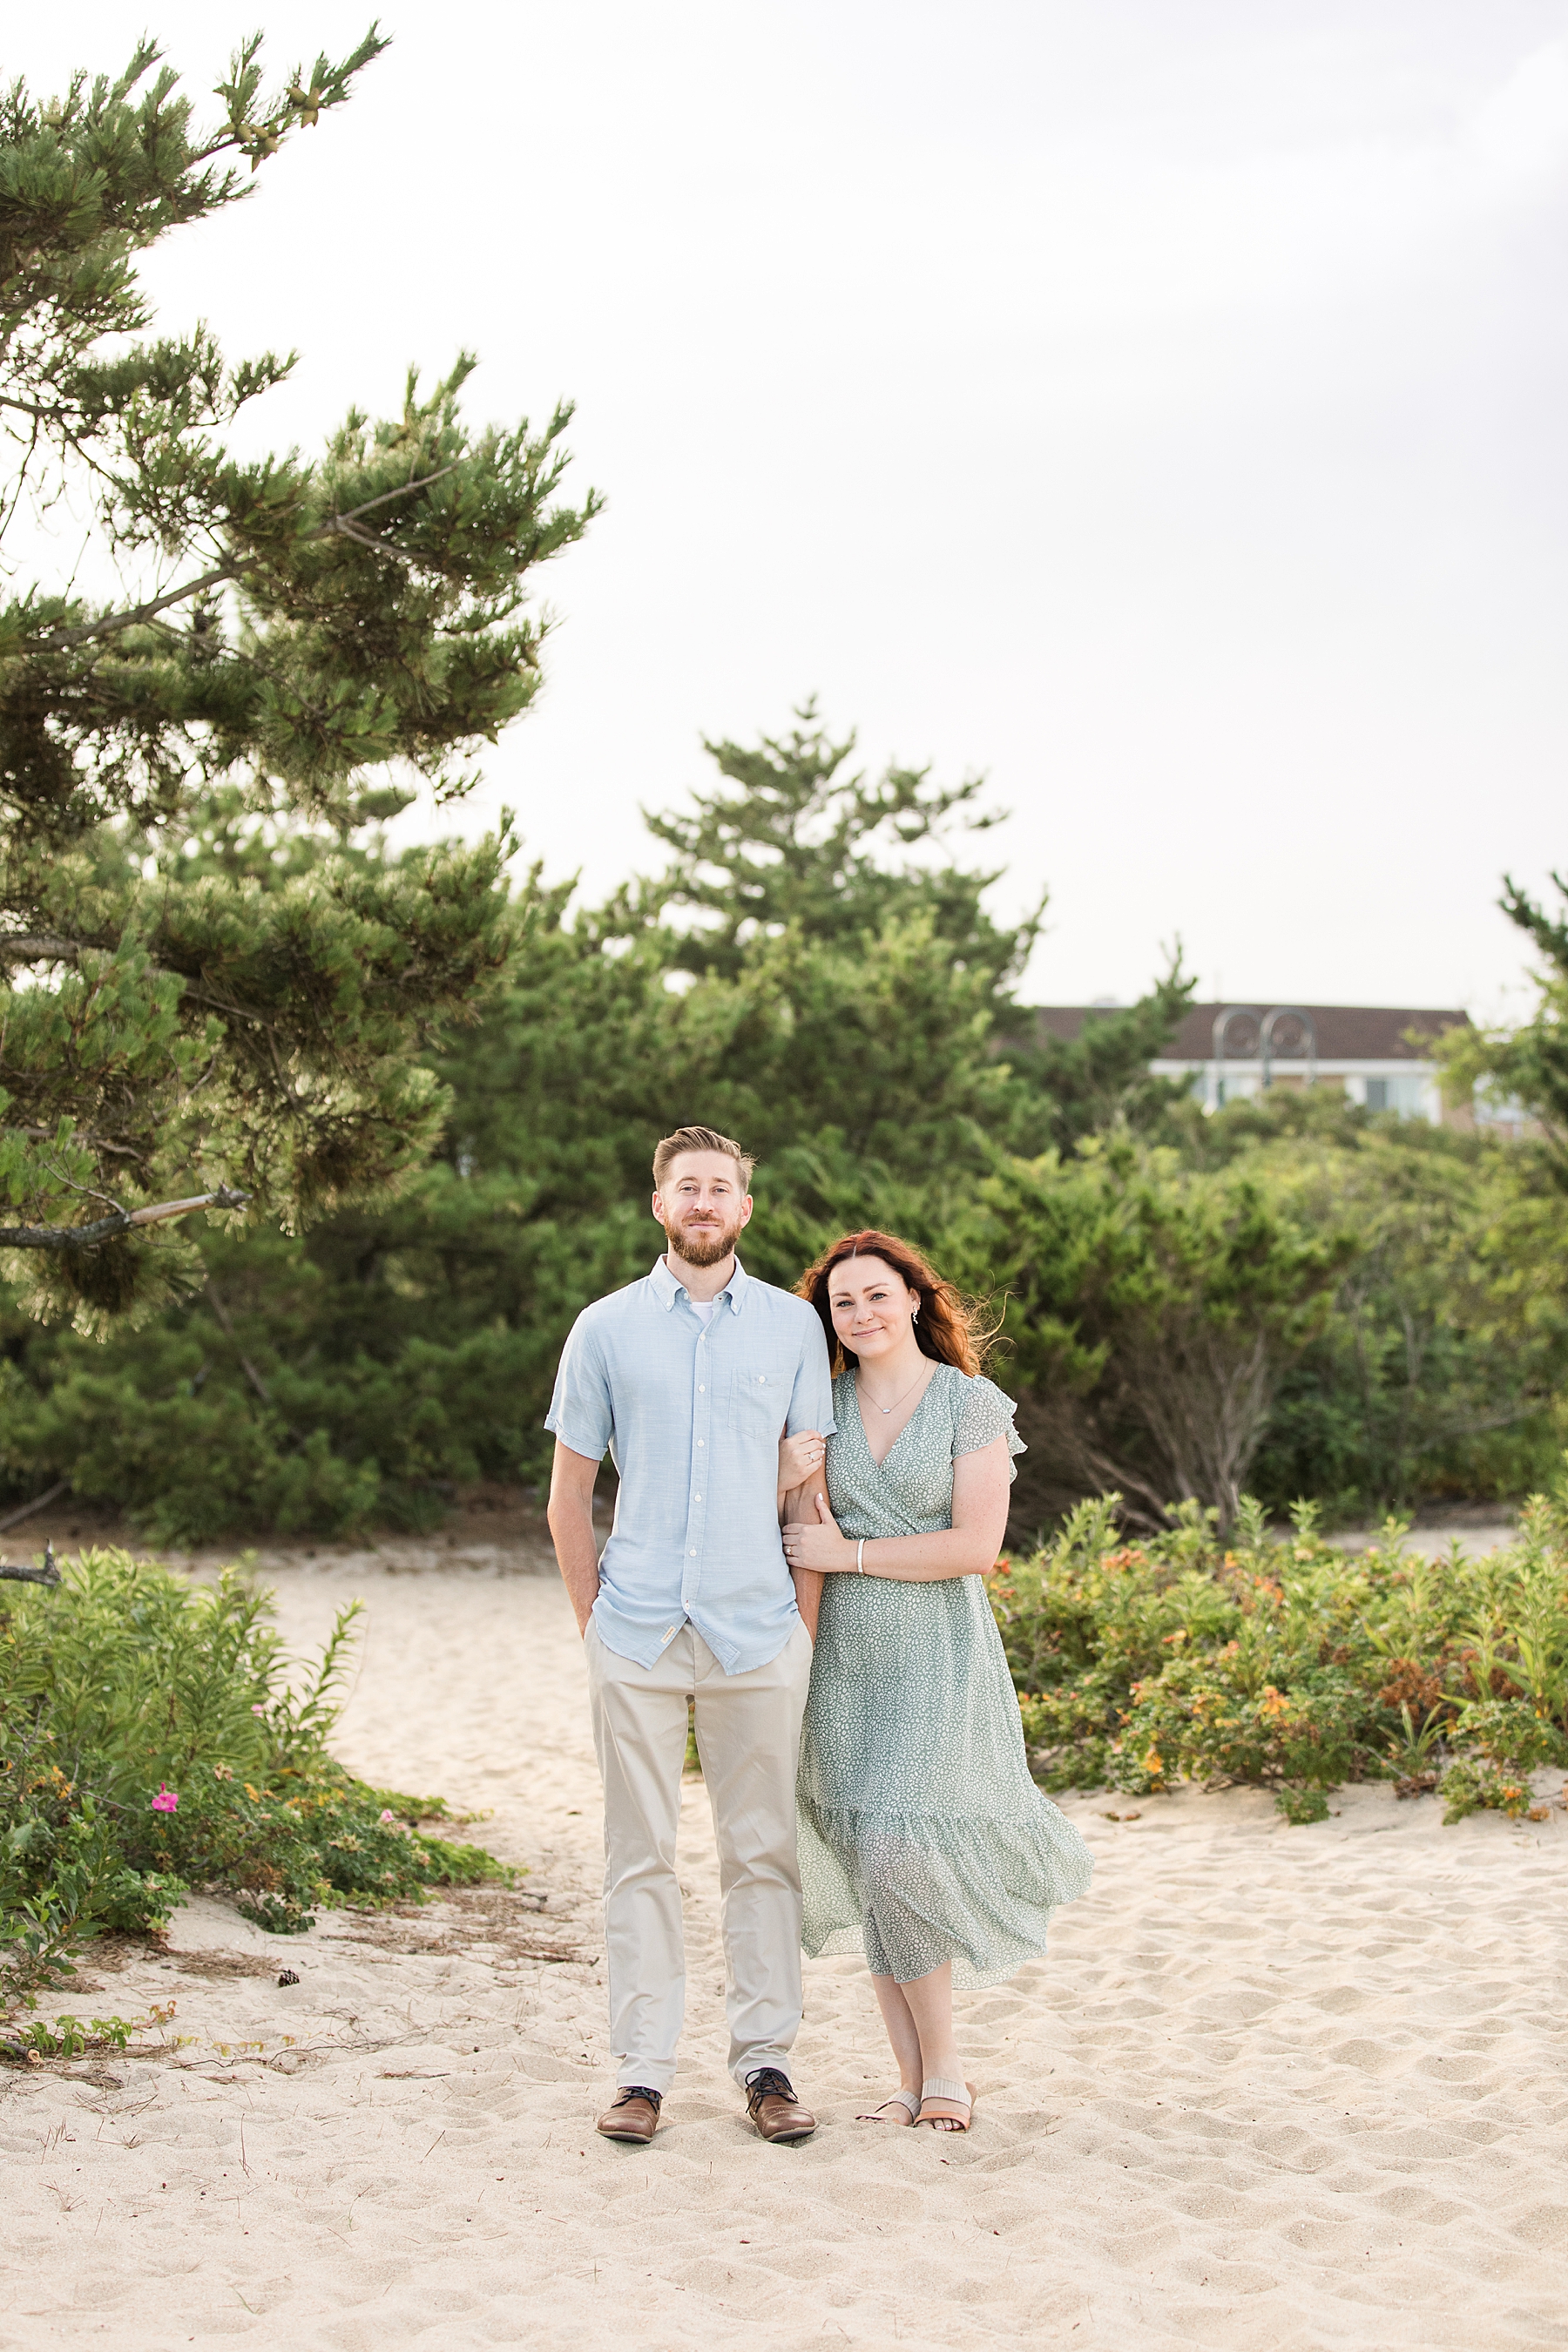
[[165, 1802], [258, 1709], [388, 1816]]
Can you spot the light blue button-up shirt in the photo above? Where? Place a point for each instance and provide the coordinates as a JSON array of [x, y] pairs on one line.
[[692, 1411]]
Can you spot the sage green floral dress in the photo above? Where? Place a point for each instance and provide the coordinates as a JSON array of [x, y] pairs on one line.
[[922, 1838]]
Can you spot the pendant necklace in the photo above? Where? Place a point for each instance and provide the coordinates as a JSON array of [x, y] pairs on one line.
[[899, 1400]]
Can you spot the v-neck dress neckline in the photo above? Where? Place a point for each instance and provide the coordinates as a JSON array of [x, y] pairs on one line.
[[937, 1370]]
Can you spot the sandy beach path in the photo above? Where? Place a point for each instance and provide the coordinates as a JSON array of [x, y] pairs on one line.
[[1273, 2087]]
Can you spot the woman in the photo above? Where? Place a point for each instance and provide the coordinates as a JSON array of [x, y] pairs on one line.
[[922, 1838]]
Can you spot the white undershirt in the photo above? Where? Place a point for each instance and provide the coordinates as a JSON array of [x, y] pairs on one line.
[[702, 1308]]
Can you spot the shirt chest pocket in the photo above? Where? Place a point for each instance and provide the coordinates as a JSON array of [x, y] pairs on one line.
[[759, 1398]]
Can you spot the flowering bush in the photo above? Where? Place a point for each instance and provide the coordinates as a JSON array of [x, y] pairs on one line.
[[1289, 1663], [151, 1741]]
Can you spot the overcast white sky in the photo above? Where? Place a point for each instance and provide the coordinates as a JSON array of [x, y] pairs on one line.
[[1157, 404]]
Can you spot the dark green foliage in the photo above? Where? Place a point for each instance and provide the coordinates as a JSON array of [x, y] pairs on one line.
[[1150, 1309], [1301, 1806], [1441, 1368], [126, 1688], [845, 1028], [292, 1849], [1100, 1078], [795, 844], [187, 1020], [1527, 1066], [1287, 1664]]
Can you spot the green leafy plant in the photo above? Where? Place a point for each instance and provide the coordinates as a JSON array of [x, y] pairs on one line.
[[1152, 1308], [151, 1740], [1284, 1662], [69, 2037], [1410, 1751], [1440, 1366], [1300, 1806]]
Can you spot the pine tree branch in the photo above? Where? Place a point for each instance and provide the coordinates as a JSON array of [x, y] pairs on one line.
[[47, 946], [335, 526], [37, 946], [123, 1221]]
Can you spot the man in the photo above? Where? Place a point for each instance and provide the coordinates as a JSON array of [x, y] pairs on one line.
[[690, 1377]]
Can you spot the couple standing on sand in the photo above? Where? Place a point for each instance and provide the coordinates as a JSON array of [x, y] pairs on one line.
[[800, 1557]]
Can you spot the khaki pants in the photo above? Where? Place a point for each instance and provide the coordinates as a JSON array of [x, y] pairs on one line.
[[748, 1729]]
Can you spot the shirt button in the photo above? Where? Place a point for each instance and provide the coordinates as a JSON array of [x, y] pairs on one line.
[[692, 1553], [697, 1498], [702, 1441], [700, 1389]]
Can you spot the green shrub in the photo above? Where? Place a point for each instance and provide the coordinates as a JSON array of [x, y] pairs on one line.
[[1286, 1663], [1300, 1806], [1441, 1367], [1475, 1785], [151, 1741]]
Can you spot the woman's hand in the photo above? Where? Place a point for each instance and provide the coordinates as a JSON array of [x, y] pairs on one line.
[[817, 1543], [801, 1458]]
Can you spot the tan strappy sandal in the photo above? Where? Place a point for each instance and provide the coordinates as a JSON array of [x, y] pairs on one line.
[[905, 2099], [957, 2094]]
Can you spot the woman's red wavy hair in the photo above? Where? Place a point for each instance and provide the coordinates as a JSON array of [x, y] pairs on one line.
[[948, 1326]]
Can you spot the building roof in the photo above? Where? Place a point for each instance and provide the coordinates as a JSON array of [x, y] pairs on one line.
[[1346, 1033]]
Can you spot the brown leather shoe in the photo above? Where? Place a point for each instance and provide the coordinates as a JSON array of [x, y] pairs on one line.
[[632, 2113], [772, 2106]]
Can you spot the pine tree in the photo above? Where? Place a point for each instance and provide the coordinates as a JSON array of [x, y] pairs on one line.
[[185, 1021], [789, 838], [841, 1016], [792, 858], [1527, 1066]]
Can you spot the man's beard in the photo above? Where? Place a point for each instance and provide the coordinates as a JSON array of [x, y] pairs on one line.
[[705, 1246]]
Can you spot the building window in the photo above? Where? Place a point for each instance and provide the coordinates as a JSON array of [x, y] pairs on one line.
[[1402, 1094]]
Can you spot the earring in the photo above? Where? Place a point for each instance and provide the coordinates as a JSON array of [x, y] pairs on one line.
[[916, 1316]]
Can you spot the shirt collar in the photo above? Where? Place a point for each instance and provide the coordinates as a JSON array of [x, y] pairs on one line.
[[666, 1290]]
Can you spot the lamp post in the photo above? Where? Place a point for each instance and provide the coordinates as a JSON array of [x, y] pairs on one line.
[[1223, 1020], [1307, 1029], [1259, 1033]]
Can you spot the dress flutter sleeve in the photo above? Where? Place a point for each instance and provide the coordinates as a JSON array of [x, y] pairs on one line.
[[982, 1413]]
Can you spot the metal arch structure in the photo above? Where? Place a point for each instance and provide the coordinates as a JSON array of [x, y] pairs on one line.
[[1261, 1048], [1223, 1019], [1265, 1041]]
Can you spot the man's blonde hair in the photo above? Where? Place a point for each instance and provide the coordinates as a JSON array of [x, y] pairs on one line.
[[701, 1138]]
